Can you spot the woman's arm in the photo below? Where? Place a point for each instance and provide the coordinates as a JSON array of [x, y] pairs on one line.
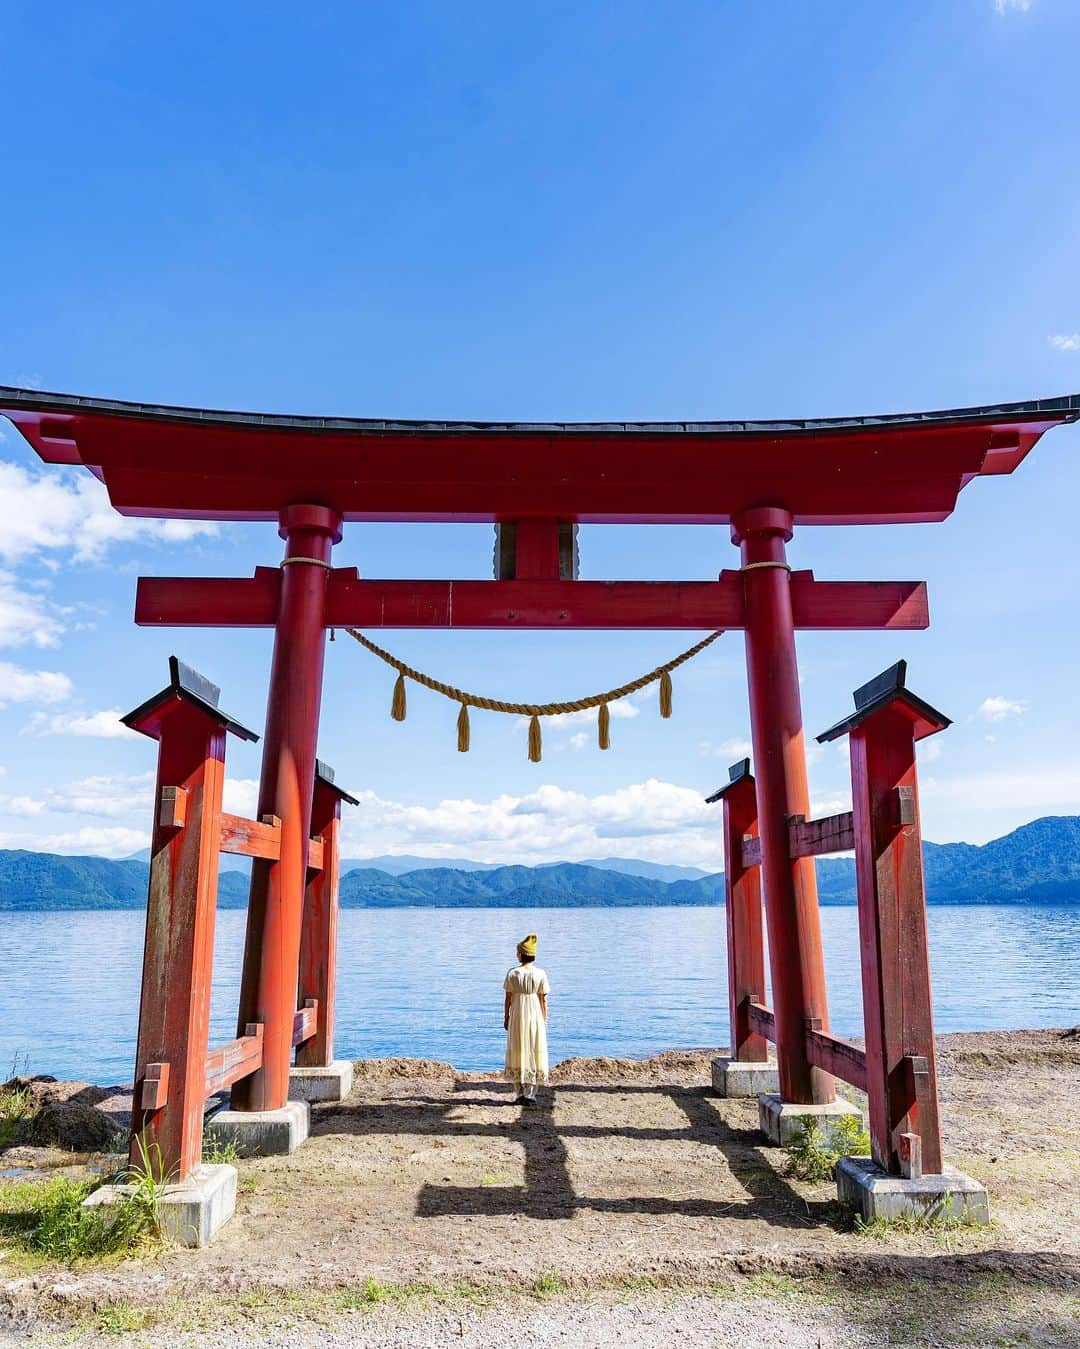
[[542, 995], [506, 1012]]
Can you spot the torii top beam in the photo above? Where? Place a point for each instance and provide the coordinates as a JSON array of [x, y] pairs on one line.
[[188, 462]]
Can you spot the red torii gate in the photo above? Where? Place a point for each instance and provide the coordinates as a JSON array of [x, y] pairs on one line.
[[536, 481]]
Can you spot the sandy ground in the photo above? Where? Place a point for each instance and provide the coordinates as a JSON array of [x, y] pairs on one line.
[[647, 1209]]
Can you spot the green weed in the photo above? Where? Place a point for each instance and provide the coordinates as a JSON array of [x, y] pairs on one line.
[[946, 1229], [220, 1151], [122, 1317], [813, 1153], [544, 1285], [18, 1110]]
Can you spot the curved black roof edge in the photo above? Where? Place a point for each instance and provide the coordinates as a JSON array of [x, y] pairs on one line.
[[1064, 409]]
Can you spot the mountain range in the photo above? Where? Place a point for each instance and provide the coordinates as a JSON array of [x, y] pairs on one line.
[[1037, 863]]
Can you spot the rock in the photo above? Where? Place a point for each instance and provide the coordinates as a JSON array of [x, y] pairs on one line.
[[74, 1126]]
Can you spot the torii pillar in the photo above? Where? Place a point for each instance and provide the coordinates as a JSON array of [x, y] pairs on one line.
[[791, 902], [268, 992]]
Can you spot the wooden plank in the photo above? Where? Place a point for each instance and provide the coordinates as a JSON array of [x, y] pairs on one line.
[[751, 852], [528, 604], [744, 915], [305, 1022], [174, 1007], [172, 808], [897, 1006], [811, 838], [836, 1056], [153, 1093], [762, 1021], [251, 838], [315, 855], [232, 1061]]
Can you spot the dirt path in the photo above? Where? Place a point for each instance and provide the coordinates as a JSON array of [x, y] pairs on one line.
[[628, 1175]]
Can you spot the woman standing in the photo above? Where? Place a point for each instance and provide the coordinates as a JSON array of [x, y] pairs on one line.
[[525, 1021]]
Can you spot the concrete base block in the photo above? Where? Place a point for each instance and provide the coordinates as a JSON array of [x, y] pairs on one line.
[[332, 1083], [781, 1122], [876, 1194], [190, 1212], [261, 1133], [732, 1078]]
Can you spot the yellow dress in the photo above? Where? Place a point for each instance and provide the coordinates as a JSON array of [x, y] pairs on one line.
[[526, 1035]]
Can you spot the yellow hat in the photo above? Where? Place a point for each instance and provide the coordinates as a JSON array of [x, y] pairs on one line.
[[528, 946]]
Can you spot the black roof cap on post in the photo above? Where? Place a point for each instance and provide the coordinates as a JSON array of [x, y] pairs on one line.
[[738, 772], [887, 687], [192, 687], [325, 774]]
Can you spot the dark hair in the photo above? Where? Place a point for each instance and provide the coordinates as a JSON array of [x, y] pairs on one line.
[[526, 960]]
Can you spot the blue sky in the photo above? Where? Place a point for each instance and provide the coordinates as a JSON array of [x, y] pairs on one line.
[[567, 211]]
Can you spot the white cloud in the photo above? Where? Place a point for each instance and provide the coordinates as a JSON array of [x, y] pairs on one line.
[[104, 725], [1065, 341], [21, 805], [1022, 6], [579, 740], [1000, 709], [657, 821], [59, 511], [32, 686], [26, 619], [113, 796], [240, 796], [108, 841]]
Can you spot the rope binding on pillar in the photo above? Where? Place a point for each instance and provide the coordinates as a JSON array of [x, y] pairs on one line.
[[534, 711]]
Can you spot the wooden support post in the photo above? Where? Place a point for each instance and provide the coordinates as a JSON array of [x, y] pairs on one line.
[[178, 957], [791, 903], [268, 990], [901, 1076], [318, 942], [745, 939]]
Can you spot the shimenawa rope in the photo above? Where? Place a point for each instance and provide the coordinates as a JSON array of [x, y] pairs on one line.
[[534, 711]]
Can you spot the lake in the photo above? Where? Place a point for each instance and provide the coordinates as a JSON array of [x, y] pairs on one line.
[[427, 983]]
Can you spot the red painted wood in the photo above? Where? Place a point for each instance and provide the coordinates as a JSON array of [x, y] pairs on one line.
[[745, 938], [352, 602], [812, 838], [268, 992], [318, 944], [791, 905], [897, 1008], [314, 855], [154, 1088], [762, 1021], [536, 556], [305, 1022], [178, 955], [204, 466], [837, 1057], [233, 1061], [251, 838]]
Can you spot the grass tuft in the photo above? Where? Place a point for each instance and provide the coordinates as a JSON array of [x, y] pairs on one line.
[[946, 1229], [219, 1151], [18, 1110], [548, 1283], [813, 1153]]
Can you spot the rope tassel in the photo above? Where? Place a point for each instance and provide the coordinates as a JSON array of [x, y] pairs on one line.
[[665, 694], [397, 706], [463, 729], [603, 727], [535, 743]]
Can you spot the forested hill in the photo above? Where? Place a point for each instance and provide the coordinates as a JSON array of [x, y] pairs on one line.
[[1037, 863]]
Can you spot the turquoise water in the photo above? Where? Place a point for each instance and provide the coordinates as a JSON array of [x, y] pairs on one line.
[[427, 982]]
